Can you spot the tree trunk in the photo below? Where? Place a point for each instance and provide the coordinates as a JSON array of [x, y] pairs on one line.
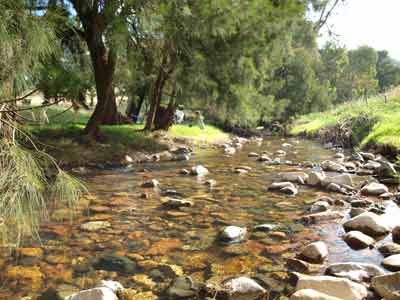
[[105, 112], [155, 100]]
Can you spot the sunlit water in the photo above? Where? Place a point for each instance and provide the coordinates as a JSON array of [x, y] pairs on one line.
[[151, 235]]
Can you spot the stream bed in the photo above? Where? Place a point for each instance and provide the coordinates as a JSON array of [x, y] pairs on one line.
[[151, 245]]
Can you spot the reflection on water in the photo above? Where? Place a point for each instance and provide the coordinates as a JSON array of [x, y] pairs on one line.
[[182, 241]]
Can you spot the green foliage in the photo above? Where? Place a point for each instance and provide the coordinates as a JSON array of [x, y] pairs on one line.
[[374, 121]]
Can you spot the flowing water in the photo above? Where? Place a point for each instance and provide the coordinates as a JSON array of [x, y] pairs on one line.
[[160, 241]]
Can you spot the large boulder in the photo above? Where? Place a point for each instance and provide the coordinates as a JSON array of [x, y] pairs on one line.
[[374, 189], [243, 288], [315, 252], [233, 234], [388, 249], [392, 263], [358, 240], [309, 294], [368, 223], [386, 169], [387, 286], [316, 178], [100, 293], [359, 272], [342, 180], [341, 288]]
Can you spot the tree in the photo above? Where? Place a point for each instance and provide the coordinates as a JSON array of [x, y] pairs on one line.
[[362, 70], [29, 178], [388, 71]]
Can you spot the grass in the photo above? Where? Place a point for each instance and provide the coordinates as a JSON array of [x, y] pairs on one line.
[[209, 134], [62, 138], [385, 118]]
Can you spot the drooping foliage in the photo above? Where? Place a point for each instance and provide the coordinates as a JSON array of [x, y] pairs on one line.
[[30, 180]]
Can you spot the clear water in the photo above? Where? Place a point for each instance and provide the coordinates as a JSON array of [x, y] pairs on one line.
[[152, 236]]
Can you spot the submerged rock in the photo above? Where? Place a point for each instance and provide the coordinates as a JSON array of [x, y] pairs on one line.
[[182, 287], [95, 225], [387, 286], [368, 223], [115, 263], [243, 288], [100, 293], [315, 252], [233, 234], [265, 227]]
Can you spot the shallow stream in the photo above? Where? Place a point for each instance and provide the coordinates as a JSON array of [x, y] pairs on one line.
[[161, 241]]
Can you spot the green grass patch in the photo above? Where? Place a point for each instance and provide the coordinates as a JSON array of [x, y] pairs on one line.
[[209, 134], [383, 120]]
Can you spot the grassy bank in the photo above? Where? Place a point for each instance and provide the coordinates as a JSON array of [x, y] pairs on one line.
[[62, 138], [371, 122]]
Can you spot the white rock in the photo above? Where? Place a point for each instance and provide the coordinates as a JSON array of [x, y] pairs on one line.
[[341, 288], [333, 187], [368, 223], [387, 286], [309, 294], [230, 150], [316, 178], [315, 252], [100, 293], [199, 170], [243, 288], [115, 286], [280, 185], [358, 240], [233, 234], [392, 263]]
